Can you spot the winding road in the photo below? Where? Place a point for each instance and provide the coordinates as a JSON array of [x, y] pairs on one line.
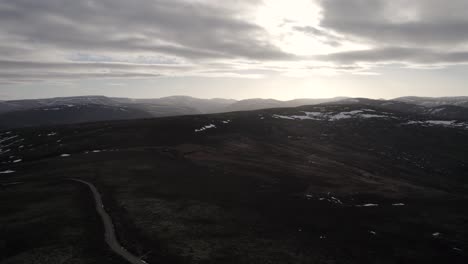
[[109, 234]]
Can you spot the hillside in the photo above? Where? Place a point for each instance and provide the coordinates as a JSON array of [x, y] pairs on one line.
[[315, 184], [23, 113], [435, 101], [69, 114]]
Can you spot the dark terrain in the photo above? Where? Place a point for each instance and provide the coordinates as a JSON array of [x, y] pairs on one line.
[[79, 109], [345, 183]]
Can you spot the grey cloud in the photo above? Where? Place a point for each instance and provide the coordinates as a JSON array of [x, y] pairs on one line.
[[398, 55], [191, 30], [41, 39], [33, 71], [26, 70], [399, 22], [28, 65], [32, 77], [428, 32], [312, 30], [322, 35]]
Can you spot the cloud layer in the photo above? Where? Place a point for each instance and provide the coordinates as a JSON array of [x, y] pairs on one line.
[[69, 39], [409, 32]]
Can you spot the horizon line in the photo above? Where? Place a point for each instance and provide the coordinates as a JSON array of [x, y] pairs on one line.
[[222, 98]]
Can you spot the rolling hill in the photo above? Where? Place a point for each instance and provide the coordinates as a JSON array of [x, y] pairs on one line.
[[21, 113], [337, 183], [435, 101]]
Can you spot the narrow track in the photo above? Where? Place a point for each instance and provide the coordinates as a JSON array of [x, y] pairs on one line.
[[109, 234]]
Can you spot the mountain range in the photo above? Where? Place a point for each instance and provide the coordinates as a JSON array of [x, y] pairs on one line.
[[67, 110]]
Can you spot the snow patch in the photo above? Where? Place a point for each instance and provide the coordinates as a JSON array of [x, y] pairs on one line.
[[4, 151], [368, 205], [329, 116], [7, 139], [440, 122], [283, 117], [444, 123], [7, 172], [65, 155], [372, 116], [342, 115], [329, 199], [205, 128], [434, 111]]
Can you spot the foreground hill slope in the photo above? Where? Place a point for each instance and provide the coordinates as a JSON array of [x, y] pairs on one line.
[[314, 184]]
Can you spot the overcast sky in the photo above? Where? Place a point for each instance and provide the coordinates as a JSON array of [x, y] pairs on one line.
[[233, 49]]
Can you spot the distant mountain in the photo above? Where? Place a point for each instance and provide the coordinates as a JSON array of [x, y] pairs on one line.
[[75, 100], [385, 104], [171, 105], [254, 104], [307, 101], [202, 106], [16, 105], [442, 112], [68, 114], [64, 110], [449, 112], [258, 103], [435, 101], [6, 106]]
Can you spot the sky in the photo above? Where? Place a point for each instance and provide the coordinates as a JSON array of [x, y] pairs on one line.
[[233, 49]]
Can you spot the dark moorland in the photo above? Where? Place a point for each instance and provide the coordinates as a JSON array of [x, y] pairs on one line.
[[315, 184]]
